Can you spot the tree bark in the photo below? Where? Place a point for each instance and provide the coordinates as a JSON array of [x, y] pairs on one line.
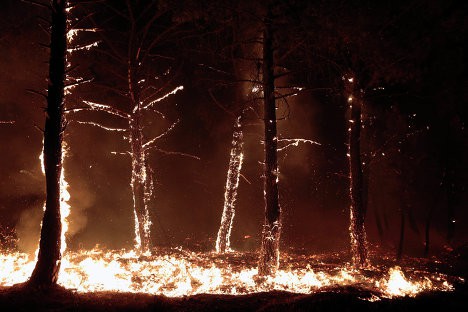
[[140, 186], [232, 183], [269, 253], [45, 273], [358, 207]]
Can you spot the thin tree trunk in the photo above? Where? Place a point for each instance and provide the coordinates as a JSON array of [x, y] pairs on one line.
[[269, 253], [45, 273], [428, 231], [402, 235], [232, 182], [358, 207]]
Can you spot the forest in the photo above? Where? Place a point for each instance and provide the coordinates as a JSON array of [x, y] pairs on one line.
[[262, 150]]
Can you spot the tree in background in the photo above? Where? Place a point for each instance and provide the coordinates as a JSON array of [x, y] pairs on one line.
[[134, 45]]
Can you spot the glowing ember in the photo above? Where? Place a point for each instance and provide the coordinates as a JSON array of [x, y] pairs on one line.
[[398, 285], [176, 272], [230, 194]]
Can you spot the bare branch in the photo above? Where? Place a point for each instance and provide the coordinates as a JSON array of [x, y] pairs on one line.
[[39, 128], [175, 153], [295, 142], [245, 179], [283, 96], [83, 47], [37, 92], [39, 4], [152, 142], [78, 82], [107, 109], [210, 92], [122, 153], [113, 89], [163, 97], [101, 126]]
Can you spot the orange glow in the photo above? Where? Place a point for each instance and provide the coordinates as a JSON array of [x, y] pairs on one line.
[[177, 272]]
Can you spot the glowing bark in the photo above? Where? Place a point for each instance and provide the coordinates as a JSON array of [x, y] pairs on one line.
[[141, 186], [269, 253], [230, 193], [358, 205], [45, 273]]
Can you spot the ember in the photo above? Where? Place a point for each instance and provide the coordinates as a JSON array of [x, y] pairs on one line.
[[177, 272]]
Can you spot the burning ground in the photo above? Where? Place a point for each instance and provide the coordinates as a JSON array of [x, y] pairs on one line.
[[178, 279]]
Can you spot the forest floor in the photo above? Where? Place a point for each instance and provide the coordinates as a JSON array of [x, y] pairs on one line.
[[331, 298], [336, 299]]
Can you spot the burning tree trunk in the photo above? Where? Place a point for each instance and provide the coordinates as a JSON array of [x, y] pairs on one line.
[[141, 186], [232, 183], [46, 271], [358, 205], [269, 253]]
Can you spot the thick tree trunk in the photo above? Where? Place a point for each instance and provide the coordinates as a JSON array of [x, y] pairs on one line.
[[232, 183], [358, 207], [140, 187], [45, 273], [269, 253]]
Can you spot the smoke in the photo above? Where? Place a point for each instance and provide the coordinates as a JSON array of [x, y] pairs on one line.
[[81, 199], [28, 230]]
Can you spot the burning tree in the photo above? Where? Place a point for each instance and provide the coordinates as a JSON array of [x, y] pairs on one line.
[[269, 253], [356, 189], [52, 239], [134, 64], [232, 181], [46, 271]]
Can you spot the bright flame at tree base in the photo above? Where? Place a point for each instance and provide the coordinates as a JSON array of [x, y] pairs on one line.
[[176, 272]]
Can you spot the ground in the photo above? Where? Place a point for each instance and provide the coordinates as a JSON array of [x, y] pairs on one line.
[[333, 299]]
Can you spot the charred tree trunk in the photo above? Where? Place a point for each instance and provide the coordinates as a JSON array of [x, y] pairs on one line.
[[358, 206], [269, 253], [232, 182], [45, 273]]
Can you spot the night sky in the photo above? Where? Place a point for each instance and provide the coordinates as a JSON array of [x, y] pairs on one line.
[[416, 129]]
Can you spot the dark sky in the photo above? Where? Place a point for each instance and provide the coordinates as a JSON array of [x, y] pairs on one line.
[[188, 196]]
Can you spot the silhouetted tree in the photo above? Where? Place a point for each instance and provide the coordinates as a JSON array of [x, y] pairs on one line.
[[45, 273]]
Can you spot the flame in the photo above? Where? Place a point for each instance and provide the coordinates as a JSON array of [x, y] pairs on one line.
[[177, 272], [398, 285], [64, 206]]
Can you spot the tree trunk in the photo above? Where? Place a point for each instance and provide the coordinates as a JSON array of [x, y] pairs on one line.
[[358, 207], [140, 175], [402, 235], [45, 273], [428, 231], [232, 183], [140, 186], [269, 253]]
